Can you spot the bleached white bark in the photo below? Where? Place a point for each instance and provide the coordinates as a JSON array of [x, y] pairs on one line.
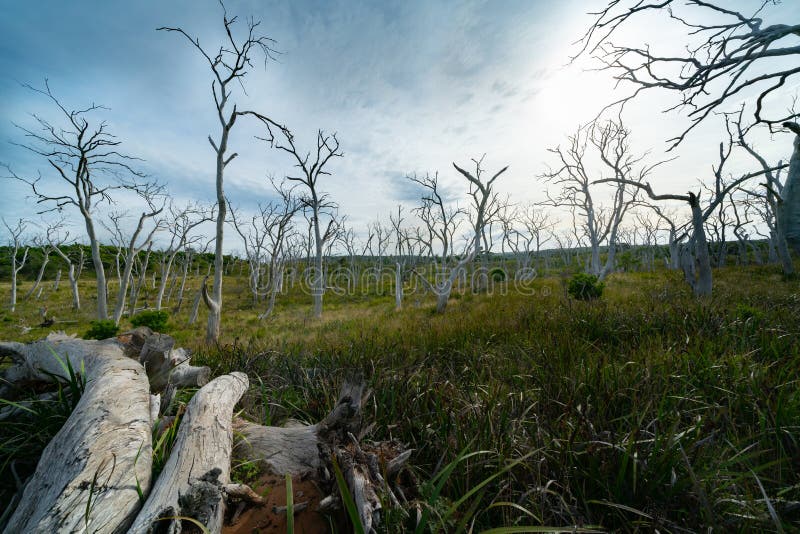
[[16, 234], [88, 475], [192, 482], [790, 207]]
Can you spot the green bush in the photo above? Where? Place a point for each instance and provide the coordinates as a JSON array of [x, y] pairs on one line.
[[585, 286], [155, 319], [497, 274], [102, 329]]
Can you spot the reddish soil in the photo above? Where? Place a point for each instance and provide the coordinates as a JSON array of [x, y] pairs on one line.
[[265, 520]]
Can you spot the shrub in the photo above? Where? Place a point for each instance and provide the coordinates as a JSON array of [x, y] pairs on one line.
[[101, 329], [584, 286], [497, 274], [155, 319]]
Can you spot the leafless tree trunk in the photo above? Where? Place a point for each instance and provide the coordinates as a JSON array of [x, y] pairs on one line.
[[182, 222], [88, 160], [788, 223], [702, 285], [46, 250], [16, 235], [441, 222], [141, 279], [229, 65], [133, 248], [487, 204], [56, 241], [315, 201], [600, 223]]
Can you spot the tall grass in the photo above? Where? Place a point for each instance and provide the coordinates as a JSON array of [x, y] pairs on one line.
[[647, 409]]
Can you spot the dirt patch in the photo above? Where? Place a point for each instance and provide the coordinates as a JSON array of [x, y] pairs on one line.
[[270, 519]]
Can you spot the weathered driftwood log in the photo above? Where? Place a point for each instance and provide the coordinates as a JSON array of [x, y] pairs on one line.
[[164, 363], [295, 450], [90, 474], [192, 483], [309, 450]]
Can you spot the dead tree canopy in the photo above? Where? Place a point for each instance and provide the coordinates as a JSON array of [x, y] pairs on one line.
[[84, 155], [728, 55], [229, 64]]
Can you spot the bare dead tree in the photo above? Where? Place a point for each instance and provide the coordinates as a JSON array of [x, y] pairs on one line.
[[669, 217], [441, 221], [405, 254], [725, 56], [133, 245], [46, 249], [139, 273], [85, 157], [229, 65], [182, 221], [599, 223], [16, 234], [732, 53], [774, 196], [56, 239], [525, 230], [486, 204], [318, 203], [264, 237], [702, 284]]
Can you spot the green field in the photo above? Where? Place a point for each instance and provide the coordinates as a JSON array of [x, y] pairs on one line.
[[647, 409]]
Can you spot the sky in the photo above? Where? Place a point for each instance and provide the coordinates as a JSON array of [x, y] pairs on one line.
[[408, 86]]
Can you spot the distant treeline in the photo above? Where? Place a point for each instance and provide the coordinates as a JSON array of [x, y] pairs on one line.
[[107, 252], [627, 258]]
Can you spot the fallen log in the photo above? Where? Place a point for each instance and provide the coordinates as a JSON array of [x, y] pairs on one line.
[[309, 451], [164, 363], [295, 450], [193, 481], [90, 475]]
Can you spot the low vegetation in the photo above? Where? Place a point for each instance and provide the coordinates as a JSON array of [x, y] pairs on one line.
[[645, 409]]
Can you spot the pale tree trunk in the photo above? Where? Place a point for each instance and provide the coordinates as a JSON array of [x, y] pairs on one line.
[[122, 292], [57, 280], [193, 479], [276, 273], [162, 286], [130, 257], [137, 289], [214, 303], [100, 272], [318, 290], [703, 283], [674, 252], [40, 274], [789, 220], [88, 475], [398, 286], [73, 279], [15, 269], [198, 297], [186, 264]]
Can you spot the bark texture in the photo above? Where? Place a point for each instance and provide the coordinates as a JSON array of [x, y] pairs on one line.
[[193, 479], [88, 475]]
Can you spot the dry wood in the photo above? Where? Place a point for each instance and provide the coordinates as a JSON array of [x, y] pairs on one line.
[[88, 475], [164, 363], [192, 483], [295, 450]]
